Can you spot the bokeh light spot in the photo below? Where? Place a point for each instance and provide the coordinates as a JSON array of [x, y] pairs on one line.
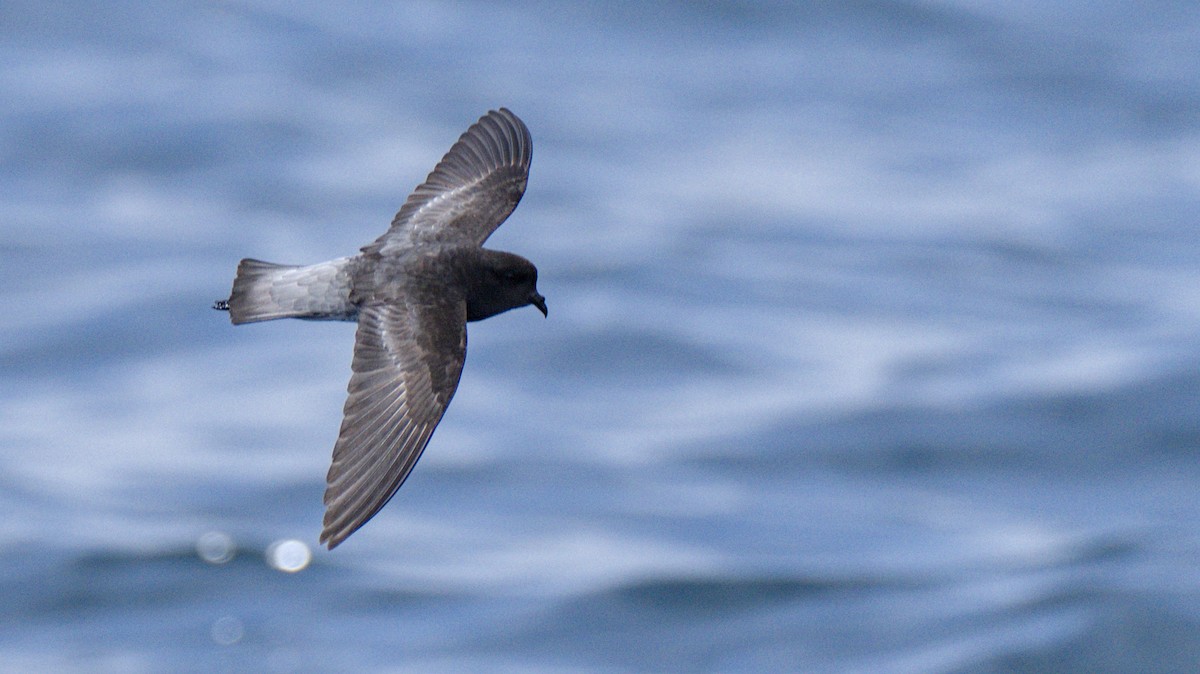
[[289, 555], [227, 630], [216, 547]]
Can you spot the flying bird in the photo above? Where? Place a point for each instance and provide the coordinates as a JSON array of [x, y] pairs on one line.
[[412, 292]]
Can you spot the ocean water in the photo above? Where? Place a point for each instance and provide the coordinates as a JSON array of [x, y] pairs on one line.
[[874, 338]]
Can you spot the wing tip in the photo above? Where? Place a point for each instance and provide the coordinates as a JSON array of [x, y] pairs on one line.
[[336, 528], [515, 133], [331, 539]]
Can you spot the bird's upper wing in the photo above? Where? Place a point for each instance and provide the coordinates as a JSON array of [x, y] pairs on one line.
[[471, 191], [407, 362]]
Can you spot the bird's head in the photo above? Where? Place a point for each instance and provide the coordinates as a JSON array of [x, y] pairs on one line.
[[501, 282]]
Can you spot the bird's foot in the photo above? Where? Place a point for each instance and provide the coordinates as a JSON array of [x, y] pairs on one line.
[[221, 305]]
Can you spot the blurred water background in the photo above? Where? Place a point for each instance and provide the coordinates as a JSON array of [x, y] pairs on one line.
[[873, 342]]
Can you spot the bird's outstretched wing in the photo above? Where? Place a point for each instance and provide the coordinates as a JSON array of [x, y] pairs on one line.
[[407, 362], [470, 192]]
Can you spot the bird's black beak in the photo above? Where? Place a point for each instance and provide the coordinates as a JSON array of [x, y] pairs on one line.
[[540, 302]]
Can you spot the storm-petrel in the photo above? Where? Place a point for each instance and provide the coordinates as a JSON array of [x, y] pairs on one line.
[[412, 292]]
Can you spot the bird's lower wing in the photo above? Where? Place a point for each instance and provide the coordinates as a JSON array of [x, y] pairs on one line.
[[407, 362]]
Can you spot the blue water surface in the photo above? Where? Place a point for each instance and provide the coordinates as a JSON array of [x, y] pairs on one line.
[[874, 338]]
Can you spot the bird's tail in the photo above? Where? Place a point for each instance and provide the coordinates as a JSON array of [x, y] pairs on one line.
[[264, 291]]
